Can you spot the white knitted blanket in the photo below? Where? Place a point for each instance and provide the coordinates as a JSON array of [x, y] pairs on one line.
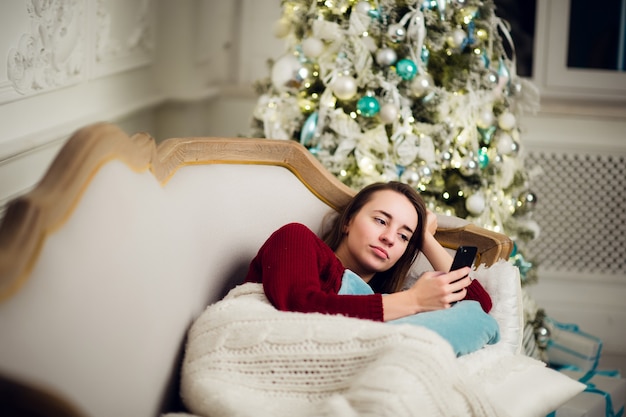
[[245, 358]]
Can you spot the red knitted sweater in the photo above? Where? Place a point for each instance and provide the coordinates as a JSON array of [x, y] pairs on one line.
[[299, 272]]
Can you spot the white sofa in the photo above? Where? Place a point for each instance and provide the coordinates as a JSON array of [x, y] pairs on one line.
[[106, 264]]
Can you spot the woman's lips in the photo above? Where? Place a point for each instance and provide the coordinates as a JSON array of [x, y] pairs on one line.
[[382, 253]]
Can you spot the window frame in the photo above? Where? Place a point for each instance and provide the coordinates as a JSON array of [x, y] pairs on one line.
[[550, 71]]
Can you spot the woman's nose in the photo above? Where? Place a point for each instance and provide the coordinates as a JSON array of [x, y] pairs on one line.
[[387, 238]]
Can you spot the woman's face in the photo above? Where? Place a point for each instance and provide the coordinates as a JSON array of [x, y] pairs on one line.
[[377, 236]]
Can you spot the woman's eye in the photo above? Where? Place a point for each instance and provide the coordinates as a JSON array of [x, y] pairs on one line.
[[380, 221], [404, 237]]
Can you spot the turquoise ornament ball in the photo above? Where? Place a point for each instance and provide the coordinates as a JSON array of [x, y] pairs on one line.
[[483, 157], [308, 129], [368, 106], [406, 69]]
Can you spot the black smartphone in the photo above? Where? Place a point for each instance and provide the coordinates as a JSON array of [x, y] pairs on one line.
[[464, 256]]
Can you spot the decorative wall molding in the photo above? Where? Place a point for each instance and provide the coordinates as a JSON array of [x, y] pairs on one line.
[[59, 47], [51, 53], [123, 40]]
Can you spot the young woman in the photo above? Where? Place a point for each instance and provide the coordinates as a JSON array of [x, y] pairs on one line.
[[377, 236]]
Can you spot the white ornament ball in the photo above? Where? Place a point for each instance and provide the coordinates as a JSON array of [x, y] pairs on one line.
[[281, 28], [388, 113], [363, 7], [504, 144], [344, 87], [485, 119], [507, 121], [475, 203], [285, 73], [312, 47]]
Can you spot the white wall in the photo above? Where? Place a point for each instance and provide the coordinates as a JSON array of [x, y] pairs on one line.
[[186, 67], [582, 246]]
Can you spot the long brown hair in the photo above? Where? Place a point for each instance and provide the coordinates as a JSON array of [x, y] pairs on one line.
[[392, 279]]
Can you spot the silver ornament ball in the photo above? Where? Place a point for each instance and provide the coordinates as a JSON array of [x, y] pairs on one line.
[[426, 174], [386, 57], [388, 113], [421, 84], [492, 78], [542, 336], [446, 159], [469, 167]]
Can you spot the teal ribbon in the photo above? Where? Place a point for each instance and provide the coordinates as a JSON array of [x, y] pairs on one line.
[[607, 398], [608, 401], [573, 328]]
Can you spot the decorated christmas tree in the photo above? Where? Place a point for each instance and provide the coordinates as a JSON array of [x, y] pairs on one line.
[[424, 92]]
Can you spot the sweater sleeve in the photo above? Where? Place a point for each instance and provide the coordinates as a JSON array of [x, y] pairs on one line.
[[299, 272], [476, 292]]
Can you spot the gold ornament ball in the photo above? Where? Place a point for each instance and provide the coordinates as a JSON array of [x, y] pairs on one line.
[[306, 106], [482, 34]]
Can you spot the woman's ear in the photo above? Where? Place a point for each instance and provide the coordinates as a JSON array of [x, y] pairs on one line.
[[346, 227]]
